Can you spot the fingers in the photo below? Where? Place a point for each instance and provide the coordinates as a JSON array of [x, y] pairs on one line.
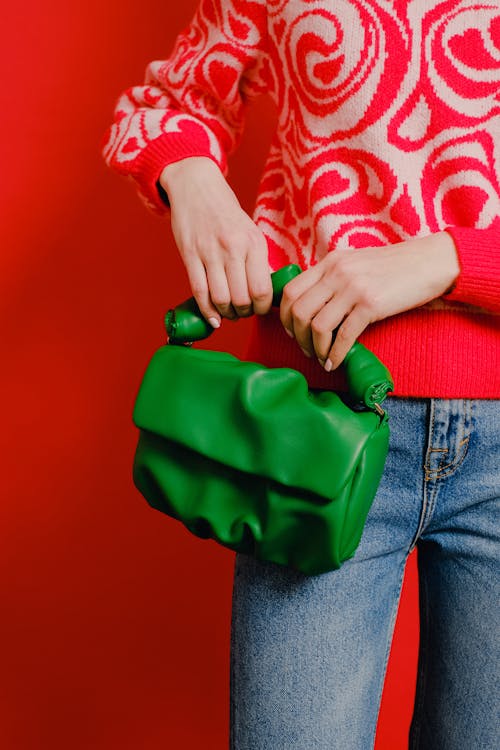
[[237, 286], [224, 251], [247, 272], [199, 286], [218, 286], [352, 327], [335, 329], [324, 315], [305, 311], [231, 279], [301, 303], [325, 323], [293, 291], [230, 286], [260, 287]]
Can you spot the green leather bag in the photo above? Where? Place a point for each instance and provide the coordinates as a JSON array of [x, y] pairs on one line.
[[251, 457]]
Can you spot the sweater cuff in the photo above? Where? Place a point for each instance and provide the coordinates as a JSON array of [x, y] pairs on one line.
[[478, 253], [190, 140]]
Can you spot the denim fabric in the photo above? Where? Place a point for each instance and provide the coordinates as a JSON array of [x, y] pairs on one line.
[[309, 654]]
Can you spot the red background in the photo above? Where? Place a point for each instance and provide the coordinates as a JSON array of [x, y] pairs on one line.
[[114, 630]]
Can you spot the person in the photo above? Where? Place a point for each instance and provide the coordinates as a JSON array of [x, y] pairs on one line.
[[383, 183]]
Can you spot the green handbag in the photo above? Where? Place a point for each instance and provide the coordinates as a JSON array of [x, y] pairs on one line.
[[251, 457]]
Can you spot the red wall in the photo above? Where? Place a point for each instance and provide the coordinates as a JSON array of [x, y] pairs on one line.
[[115, 621]]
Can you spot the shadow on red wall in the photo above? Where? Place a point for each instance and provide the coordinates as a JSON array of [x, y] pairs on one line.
[[115, 624]]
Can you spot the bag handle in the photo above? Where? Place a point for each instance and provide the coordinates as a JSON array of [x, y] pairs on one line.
[[368, 379]]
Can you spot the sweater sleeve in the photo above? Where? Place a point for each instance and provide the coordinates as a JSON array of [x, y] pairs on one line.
[[193, 103], [479, 258]]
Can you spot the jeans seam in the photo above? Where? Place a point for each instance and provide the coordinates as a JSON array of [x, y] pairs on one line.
[[416, 724], [392, 624], [423, 512]]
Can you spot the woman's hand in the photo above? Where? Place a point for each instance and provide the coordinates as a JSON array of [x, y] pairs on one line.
[[224, 252], [349, 289]]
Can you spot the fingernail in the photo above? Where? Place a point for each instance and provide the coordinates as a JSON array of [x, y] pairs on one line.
[[321, 361], [289, 333], [214, 322], [328, 365], [306, 352]]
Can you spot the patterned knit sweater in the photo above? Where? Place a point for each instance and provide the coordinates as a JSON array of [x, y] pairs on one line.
[[388, 128]]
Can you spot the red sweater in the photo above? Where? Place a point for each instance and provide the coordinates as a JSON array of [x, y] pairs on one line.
[[388, 128]]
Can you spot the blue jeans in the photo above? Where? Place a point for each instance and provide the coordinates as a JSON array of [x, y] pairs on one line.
[[309, 654]]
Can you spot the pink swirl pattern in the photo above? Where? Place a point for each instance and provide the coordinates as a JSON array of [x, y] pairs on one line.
[[456, 72], [329, 70], [388, 120], [461, 185]]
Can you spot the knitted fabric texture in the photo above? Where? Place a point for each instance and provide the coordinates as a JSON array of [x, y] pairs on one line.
[[388, 128]]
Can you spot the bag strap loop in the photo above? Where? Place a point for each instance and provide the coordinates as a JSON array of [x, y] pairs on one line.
[[368, 379]]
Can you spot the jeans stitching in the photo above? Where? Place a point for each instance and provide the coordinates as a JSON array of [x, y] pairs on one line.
[[430, 449], [466, 428], [425, 499], [431, 504], [435, 475], [454, 465]]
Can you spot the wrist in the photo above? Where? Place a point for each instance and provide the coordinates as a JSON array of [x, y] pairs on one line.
[[440, 261], [190, 168], [447, 257]]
